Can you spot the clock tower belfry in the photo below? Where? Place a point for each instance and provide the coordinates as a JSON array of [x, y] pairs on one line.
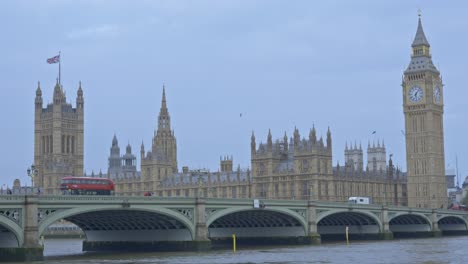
[[424, 130]]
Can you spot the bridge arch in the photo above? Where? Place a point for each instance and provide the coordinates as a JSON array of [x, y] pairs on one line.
[[11, 234], [358, 222], [250, 222], [452, 223], [410, 222], [138, 223]]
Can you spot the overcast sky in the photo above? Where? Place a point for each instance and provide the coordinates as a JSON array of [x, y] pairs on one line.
[[282, 64]]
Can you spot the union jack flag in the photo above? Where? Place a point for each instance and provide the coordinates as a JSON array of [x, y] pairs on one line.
[[54, 59]]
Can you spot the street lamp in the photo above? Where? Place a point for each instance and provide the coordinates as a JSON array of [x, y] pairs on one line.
[[32, 172]]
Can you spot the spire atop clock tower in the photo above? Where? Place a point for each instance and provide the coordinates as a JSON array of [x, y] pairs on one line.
[[421, 59], [420, 38]]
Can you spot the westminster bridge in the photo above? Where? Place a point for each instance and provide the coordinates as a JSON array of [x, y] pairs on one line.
[[155, 223]]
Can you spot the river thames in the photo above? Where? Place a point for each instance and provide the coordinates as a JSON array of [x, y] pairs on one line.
[[424, 251]]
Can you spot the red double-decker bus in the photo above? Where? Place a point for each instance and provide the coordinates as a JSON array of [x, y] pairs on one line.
[[86, 186]]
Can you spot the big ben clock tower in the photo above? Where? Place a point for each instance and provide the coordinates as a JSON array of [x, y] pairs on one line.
[[423, 109]]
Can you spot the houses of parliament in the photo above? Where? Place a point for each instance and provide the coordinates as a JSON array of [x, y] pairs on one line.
[[298, 166]]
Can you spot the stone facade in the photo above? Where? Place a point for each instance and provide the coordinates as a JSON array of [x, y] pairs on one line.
[[286, 168], [423, 109], [58, 139]]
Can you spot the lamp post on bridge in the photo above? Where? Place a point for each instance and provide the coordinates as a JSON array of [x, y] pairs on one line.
[[32, 172]]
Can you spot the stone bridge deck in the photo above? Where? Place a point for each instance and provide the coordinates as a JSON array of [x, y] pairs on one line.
[[112, 222]]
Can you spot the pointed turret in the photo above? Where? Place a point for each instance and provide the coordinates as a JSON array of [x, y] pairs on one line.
[[142, 150], [38, 100], [285, 141], [115, 142], [253, 145], [312, 135], [79, 97], [269, 141], [128, 149], [58, 94], [329, 140], [115, 161], [297, 137]]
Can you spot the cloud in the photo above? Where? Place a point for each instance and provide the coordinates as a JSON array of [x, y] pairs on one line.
[[106, 30]]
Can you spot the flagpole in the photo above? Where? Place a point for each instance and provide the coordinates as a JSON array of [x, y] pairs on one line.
[[59, 67]]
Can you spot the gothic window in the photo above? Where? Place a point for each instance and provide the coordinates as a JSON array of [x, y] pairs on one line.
[[304, 188], [63, 144], [261, 169], [263, 190], [73, 144], [68, 144], [276, 190], [233, 192], [47, 144], [51, 144], [244, 191], [224, 192], [305, 166], [423, 123], [293, 191]]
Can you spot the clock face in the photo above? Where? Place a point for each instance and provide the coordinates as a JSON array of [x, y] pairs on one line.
[[437, 94], [415, 94]]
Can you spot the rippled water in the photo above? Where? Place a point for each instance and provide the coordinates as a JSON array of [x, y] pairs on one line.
[[424, 251]]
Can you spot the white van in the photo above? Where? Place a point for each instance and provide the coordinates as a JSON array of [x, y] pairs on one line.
[[359, 200]]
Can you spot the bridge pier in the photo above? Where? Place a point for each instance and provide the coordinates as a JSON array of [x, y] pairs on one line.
[[313, 236], [386, 234], [436, 232], [201, 241], [31, 250]]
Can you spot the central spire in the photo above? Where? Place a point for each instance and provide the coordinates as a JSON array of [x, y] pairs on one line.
[[163, 101], [164, 121]]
